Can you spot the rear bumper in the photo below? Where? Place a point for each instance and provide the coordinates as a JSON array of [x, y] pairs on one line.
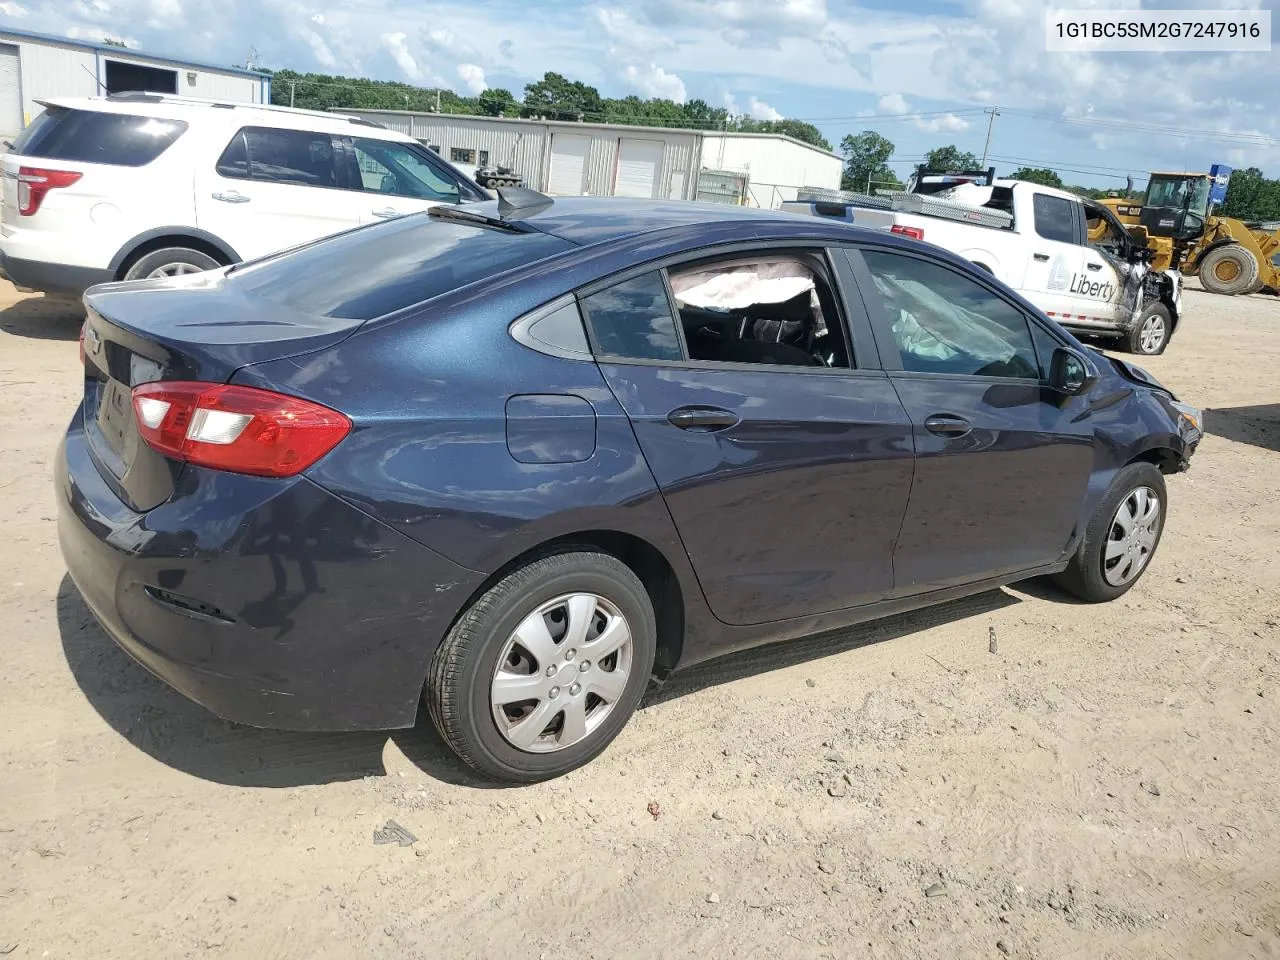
[[58, 278], [271, 603]]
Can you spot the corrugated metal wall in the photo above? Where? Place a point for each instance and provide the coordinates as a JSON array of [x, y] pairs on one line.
[[525, 146], [54, 70], [776, 167]]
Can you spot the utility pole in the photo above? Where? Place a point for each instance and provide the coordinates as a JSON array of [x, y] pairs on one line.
[[293, 86], [437, 99], [991, 122]]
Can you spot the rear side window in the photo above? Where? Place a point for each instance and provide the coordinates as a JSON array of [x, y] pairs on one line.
[[1054, 219], [634, 320], [120, 139], [370, 272], [283, 156]]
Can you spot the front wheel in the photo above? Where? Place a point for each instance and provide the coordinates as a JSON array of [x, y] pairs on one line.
[[1121, 538], [1230, 270], [541, 673], [1150, 335]]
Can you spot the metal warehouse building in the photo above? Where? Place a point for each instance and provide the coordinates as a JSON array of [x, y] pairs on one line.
[[34, 66], [600, 159]]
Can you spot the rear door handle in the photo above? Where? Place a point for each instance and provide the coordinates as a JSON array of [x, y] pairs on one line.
[[230, 196], [1094, 266], [948, 425], [702, 419], [386, 213], [1042, 257]]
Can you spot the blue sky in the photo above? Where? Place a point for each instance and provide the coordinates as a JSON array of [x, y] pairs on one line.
[[917, 71]]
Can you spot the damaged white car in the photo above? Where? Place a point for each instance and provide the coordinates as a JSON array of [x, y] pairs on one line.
[[1036, 240]]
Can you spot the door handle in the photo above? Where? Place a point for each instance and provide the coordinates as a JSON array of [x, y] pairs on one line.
[[948, 425], [231, 196], [386, 213], [1042, 257], [1094, 266], [702, 419]]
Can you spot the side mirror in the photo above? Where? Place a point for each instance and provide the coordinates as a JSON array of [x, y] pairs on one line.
[[1071, 373]]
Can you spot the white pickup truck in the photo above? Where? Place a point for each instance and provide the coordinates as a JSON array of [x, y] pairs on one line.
[[1035, 239]]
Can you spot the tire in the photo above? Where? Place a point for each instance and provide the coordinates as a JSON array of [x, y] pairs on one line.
[[1150, 334], [1229, 270], [173, 260], [1257, 285], [493, 183], [1091, 575], [462, 684]]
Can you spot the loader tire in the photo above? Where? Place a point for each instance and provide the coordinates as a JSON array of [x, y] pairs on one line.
[[1229, 270]]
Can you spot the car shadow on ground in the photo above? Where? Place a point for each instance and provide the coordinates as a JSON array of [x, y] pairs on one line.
[[43, 318], [183, 735], [1257, 425]]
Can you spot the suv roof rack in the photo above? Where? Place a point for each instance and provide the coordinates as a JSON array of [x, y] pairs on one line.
[[148, 96]]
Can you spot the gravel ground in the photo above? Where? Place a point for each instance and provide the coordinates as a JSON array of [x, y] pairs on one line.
[[1106, 785]]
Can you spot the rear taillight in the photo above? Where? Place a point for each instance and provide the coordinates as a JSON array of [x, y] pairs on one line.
[[237, 429], [34, 183], [915, 233]]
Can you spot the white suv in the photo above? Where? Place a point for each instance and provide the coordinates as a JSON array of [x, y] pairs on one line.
[[145, 185]]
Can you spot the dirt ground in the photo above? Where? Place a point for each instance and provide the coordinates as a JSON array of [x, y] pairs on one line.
[[1106, 785]]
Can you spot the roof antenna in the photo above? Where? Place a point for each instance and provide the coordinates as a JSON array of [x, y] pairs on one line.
[[517, 202]]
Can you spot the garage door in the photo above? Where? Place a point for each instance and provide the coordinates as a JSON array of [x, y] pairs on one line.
[[10, 91], [568, 165], [638, 164]]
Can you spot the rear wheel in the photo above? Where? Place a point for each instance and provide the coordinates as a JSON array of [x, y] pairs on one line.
[[1150, 335], [1121, 538], [1229, 270], [541, 673], [170, 262]]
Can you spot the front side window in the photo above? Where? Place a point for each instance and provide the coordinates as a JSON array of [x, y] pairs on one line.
[[282, 156], [399, 170], [633, 320], [944, 322], [120, 139], [1054, 220]]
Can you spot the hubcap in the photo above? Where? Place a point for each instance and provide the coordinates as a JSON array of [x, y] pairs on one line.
[[561, 673], [1133, 534], [1226, 270], [1152, 334], [173, 270]]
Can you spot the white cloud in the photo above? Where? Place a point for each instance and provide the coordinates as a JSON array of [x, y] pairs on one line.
[[946, 123], [630, 35], [759, 110], [11, 9], [317, 18], [652, 81], [741, 22], [98, 34], [893, 103], [472, 77], [395, 45]]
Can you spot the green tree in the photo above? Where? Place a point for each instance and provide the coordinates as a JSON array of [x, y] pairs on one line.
[[561, 97], [796, 129], [498, 102], [1040, 175], [866, 158], [950, 158], [1251, 196]]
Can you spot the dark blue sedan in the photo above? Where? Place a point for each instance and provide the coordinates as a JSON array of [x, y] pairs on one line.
[[516, 459]]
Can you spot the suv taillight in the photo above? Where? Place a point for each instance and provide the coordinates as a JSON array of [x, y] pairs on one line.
[[34, 183], [237, 429], [915, 233]]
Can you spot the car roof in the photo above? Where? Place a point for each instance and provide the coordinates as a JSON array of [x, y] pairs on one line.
[[589, 220], [190, 108]]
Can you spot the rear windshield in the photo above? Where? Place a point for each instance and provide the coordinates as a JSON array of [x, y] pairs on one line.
[[89, 137], [368, 273]]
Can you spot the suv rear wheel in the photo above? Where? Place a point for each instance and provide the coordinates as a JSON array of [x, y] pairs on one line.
[[170, 262]]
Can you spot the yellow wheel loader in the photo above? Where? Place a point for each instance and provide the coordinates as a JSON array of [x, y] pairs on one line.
[[1176, 221]]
